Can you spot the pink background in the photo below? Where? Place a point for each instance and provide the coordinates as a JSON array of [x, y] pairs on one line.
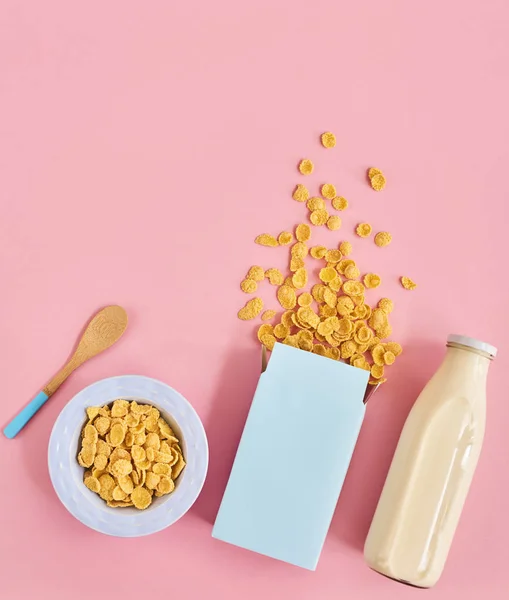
[[143, 147]]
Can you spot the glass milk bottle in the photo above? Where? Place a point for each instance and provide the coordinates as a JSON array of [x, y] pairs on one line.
[[432, 468]]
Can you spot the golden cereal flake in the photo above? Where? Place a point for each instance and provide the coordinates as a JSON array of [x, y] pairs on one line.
[[336, 283], [378, 182], [383, 238], [251, 310], [264, 329], [344, 305], [319, 217], [328, 139], [333, 223], [408, 284], [303, 232], [296, 263], [274, 276], [141, 498], [281, 331], [300, 193], [318, 252], [318, 291], [384, 332], [92, 484], [372, 280], [248, 286], [299, 250], [389, 358], [372, 172], [386, 305], [394, 347], [305, 299], [287, 318], [353, 288], [287, 297], [344, 264], [307, 315], [330, 298], [265, 239], [363, 230], [268, 314], [291, 340], [348, 349], [268, 341], [377, 371], [316, 203], [306, 166], [340, 203], [333, 256], [352, 272], [327, 274], [117, 434], [285, 238], [328, 191]]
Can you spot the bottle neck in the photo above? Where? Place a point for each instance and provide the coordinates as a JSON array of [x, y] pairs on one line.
[[473, 364]]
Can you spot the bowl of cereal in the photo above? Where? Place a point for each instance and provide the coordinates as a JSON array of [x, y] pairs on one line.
[[128, 456]]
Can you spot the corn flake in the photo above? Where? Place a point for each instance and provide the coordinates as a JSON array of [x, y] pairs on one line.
[[328, 139], [372, 172], [281, 331], [285, 238], [333, 223], [306, 166], [394, 347], [318, 252], [328, 191], [371, 280], [287, 297], [386, 305], [266, 239], [408, 284], [383, 238], [251, 310], [327, 274], [274, 276], [303, 232], [316, 203], [305, 299], [319, 217], [352, 272], [268, 341], [378, 182], [363, 230], [268, 314], [389, 358], [345, 248], [340, 203], [300, 193], [248, 286]]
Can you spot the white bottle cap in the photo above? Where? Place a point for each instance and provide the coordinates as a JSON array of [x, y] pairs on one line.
[[473, 343]]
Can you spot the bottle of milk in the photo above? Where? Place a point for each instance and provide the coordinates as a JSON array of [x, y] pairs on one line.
[[432, 468]]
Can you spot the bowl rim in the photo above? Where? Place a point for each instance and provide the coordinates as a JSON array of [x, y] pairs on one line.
[[188, 421]]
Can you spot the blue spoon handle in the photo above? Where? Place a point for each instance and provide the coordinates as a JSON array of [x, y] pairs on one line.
[[22, 418]]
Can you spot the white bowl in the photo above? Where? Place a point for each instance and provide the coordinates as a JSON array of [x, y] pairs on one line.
[[67, 475]]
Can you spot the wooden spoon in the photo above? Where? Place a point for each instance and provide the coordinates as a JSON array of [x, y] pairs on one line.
[[103, 331]]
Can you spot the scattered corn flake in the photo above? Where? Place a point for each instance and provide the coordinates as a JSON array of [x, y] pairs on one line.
[[319, 217], [352, 272], [344, 264], [363, 230], [386, 305], [333, 353], [318, 252], [249, 286], [251, 310], [274, 276], [328, 139], [268, 341], [333, 256], [340, 203], [300, 193], [288, 280], [383, 238], [287, 297], [291, 340], [363, 335], [372, 172], [345, 248], [320, 350], [408, 284], [377, 371], [348, 349], [318, 291], [394, 347], [328, 191], [299, 250], [316, 203], [305, 299], [265, 239], [296, 263], [353, 288], [389, 358], [327, 274], [336, 283], [303, 232], [344, 305], [372, 280], [306, 166], [384, 332], [330, 297], [285, 238], [281, 331], [300, 278], [264, 329], [378, 182], [268, 314], [333, 223], [141, 498], [286, 319], [256, 273]]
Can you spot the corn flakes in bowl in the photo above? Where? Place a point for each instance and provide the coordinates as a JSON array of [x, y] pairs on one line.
[[93, 466]]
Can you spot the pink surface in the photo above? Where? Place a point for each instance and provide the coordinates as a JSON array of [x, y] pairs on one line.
[[143, 147]]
